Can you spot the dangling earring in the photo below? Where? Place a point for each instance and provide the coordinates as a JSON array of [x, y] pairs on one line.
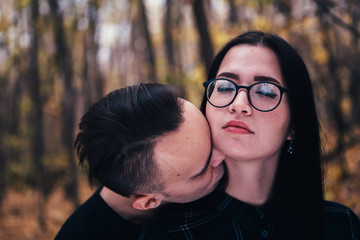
[[291, 148]]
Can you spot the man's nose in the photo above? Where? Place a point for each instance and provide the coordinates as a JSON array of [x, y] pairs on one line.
[[216, 158]]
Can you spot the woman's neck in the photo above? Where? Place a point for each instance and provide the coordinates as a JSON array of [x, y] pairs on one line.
[[251, 181]]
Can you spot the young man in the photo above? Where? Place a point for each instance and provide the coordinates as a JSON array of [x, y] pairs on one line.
[[146, 147]]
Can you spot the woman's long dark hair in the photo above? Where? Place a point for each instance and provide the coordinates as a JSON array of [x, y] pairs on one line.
[[297, 193]]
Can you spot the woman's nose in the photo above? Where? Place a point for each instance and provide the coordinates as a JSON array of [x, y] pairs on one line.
[[241, 103]]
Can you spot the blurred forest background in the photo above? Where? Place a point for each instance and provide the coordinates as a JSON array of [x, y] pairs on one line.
[[59, 57]]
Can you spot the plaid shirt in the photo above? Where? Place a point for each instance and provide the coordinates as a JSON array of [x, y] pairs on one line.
[[219, 216]]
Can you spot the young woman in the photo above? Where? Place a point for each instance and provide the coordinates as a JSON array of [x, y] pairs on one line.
[[260, 107]]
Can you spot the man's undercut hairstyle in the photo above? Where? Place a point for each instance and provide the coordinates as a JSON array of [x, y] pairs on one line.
[[117, 136]]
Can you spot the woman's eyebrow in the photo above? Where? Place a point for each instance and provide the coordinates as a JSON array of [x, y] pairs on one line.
[[266, 79], [256, 78], [229, 75]]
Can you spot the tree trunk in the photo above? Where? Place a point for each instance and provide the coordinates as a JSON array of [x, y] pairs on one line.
[[333, 85], [205, 45], [36, 119], [143, 21], [174, 73], [4, 128], [10, 93], [64, 61], [168, 38], [355, 71], [93, 84], [233, 17]]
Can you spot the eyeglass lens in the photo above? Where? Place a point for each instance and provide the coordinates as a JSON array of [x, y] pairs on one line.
[[262, 96]]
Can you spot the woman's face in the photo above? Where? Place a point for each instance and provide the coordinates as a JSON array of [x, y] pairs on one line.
[[239, 131]]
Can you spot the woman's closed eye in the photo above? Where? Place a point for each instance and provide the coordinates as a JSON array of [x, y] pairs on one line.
[[266, 94], [225, 89]]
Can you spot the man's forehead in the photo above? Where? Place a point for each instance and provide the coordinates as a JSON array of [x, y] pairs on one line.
[[187, 147], [188, 107]]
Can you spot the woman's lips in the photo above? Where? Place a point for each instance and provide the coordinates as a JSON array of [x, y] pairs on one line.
[[238, 127]]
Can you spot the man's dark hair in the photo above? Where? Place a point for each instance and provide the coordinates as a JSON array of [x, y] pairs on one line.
[[117, 136]]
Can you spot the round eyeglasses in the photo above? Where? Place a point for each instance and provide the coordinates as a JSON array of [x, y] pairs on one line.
[[263, 96]]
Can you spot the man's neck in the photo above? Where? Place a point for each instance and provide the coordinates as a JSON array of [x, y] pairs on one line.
[[123, 206]]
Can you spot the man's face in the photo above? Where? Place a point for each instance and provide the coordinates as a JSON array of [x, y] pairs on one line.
[[189, 166]]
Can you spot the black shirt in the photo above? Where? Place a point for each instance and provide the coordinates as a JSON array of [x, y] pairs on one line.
[[216, 216], [96, 220], [229, 218]]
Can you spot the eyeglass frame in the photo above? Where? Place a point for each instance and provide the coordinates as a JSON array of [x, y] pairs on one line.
[[238, 87]]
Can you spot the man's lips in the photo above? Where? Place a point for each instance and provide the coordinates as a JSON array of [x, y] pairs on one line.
[[234, 126]]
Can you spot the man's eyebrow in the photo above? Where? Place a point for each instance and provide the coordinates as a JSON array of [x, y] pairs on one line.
[[266, 79], [203, 170], [229, 75]]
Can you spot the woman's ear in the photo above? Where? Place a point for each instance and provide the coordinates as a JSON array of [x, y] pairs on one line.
[[291, 135], [146, 202]]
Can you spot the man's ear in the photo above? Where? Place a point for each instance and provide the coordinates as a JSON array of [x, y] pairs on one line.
[[146, 202], [291, 135]]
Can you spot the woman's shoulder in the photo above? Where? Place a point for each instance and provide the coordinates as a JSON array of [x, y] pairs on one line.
[[340, 222], [334, 207]]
